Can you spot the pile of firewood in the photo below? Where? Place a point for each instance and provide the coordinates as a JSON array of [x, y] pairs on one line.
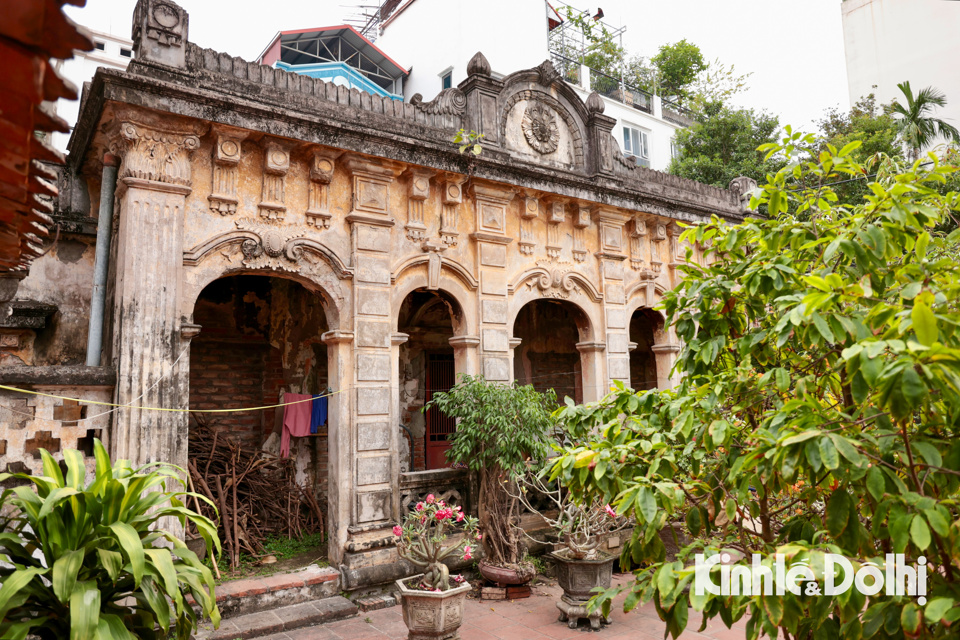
[[256, 493]]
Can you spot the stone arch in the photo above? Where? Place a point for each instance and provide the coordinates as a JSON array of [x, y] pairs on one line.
[[590, 325], [414, 274], [662, 353]]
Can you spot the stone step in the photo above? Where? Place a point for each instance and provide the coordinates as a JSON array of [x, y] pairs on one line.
[[277, 620], [372, 603], [250, 595]]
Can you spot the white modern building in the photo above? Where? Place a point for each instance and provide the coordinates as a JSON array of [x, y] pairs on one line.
[[435, 39], [109, 51], [891, 41]]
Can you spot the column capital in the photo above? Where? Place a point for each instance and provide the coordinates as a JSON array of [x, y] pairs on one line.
[[337, 337], [591, 347], [665, 348], [464, 342], [155, 154]]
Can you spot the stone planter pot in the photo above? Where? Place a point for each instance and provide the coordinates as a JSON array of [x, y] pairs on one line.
[[503, 576], [578, 578], [432, 615]]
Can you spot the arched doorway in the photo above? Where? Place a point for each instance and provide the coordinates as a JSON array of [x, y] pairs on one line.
[[260, 337], [427, 364], [547, 355], [646, 330]]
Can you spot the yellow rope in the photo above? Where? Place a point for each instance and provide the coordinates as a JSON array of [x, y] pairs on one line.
[[131, 406]]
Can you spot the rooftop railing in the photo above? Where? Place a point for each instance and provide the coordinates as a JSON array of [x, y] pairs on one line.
[[614, 88]]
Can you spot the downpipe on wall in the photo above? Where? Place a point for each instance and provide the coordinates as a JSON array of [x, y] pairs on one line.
[[101, 264]]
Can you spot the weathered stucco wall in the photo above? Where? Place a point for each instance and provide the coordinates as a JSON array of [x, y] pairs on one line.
[[229, 168]]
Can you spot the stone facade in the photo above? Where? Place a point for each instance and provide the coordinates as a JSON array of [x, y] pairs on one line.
[[229, 168]]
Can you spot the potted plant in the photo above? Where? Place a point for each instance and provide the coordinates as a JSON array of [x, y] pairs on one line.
[[87, 561], [582, 565], [432, 601], [499, 428]]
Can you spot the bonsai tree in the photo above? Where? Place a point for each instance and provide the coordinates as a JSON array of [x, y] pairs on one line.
[[818, 413], [86, 561], [579, 526], [423, 540], [499, 427]]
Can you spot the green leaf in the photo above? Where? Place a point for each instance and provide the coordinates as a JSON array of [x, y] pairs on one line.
[[876, 485], [937, 522], [693, 520], [111, 627], [647, 503], [112, 561], [828, 454], [936, 609], [65, 574], [839, 509], [84, 611], [924, 323], [846, 449], [910, 619], [920, 532], [731, 509], [132, 547], [912, 387], [718, 431], [13, 583]]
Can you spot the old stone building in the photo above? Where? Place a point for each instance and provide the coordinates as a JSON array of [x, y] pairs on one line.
[[272, 232]]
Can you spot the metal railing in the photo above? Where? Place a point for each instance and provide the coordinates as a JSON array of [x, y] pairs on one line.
[[569, 69], [618, 90], [673, 112]]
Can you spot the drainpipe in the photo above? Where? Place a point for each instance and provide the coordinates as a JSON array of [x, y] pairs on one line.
[[101, 264]]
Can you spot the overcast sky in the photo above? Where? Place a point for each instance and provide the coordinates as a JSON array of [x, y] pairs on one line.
[[794, 48]]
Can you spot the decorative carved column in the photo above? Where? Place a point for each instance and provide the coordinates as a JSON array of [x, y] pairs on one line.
[[419, 191], [580, 224], [340, 418], [677, 256], [530, 209], [226, 158], [657, 240], [611, 224], [451, 196], [556, 215], [638, 236], [276, 164], [154, 181], [491, 202], [371, 452], [321, 174]]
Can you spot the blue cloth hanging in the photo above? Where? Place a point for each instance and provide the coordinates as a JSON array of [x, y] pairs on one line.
[[318, 416]]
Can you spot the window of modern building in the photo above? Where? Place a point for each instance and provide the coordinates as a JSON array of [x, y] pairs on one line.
[[126, 53], [636, 145], [674, 150], [99, 46], [446, 80]]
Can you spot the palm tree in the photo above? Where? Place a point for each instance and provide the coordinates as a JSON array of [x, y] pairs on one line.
[[918, 128]]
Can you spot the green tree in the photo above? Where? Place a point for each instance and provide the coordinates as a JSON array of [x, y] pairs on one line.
[[723, 145], [818, 412], [677, 66], [916, 122]]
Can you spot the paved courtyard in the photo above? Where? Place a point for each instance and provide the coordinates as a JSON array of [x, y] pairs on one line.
[[533, 618]]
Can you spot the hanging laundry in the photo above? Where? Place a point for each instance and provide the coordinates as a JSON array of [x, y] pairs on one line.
[[318, 417], [296, 420]]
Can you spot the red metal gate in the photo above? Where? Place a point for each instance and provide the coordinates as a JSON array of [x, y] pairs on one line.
[[441, 376]]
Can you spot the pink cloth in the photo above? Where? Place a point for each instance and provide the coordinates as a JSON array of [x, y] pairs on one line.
[[296, 420]]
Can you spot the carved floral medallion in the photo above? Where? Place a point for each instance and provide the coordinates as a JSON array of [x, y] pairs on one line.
[[540, 127]]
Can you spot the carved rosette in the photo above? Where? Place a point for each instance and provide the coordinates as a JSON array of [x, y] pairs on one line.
[[155, 154], [539, 126], [276, 247]]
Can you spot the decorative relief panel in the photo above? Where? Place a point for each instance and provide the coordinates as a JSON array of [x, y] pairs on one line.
[[226, 158], [451, 196], [656, 244], [276, 164], [321, 174], [491, 207], [556, 215], [276, 247], [557, 282]]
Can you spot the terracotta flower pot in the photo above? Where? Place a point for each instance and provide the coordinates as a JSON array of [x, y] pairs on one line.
[[503, 576], [432, 615], [578, 578]]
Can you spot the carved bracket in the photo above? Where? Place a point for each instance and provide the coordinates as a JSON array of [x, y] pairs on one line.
[[276, 163], [223, 196], [419, 191], [321, 174]]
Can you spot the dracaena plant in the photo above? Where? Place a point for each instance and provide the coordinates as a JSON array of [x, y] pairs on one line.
[[87, 562], [424, 540], [818, 413]]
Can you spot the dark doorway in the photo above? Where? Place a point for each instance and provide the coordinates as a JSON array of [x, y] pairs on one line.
[[547, 356], [645, 326]]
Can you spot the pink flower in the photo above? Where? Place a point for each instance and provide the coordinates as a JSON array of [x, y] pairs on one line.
[[441, 514], [466, 553], [610, 511], [397, 531], [459, 516], [479, 536], [419, 506], [430, 499], [423, 519]]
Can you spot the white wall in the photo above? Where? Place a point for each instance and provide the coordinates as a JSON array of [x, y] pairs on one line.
[[890, 41], [430, 36], [81, 68]]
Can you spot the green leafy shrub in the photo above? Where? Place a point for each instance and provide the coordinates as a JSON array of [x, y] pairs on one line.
[[499, 427], [819, 407], [87, 561]]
